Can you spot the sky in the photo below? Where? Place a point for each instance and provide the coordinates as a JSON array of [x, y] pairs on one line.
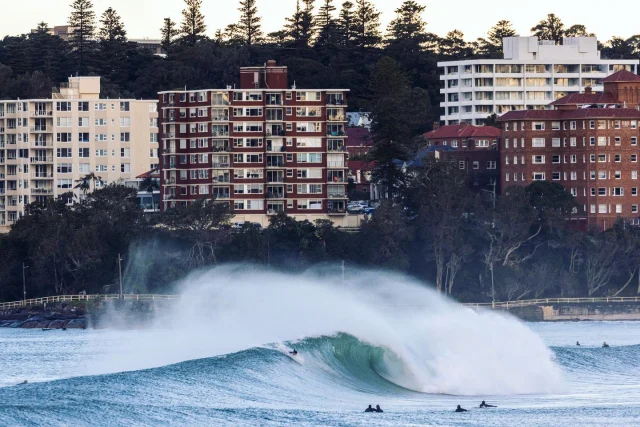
[[143, 18]]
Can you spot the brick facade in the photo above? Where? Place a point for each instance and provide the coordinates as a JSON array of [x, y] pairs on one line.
[[263, 148]]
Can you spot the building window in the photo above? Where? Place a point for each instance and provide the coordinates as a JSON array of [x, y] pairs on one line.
[[491, 165], [537, 142], [592, 124], [618, 140], [538, 125], [461, 164], [634, 158], [617, 191], [619, 209], [555, 176], [476, 165], [602, 175], [554, 126], [617, 175], [506, 177], [573, 125], [574, 176], [634, 208], [634, 141], [538, 176], [538, 159]]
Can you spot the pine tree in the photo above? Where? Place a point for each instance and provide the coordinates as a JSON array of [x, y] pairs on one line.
[[169, 33], [454, 45], [366, 25], [249, 25], [492, 45], [112, 31], [82, 20], [300, 27], [406, 33], [192, 28], [43, 28], [397, 113], [551, 28], [326, 24], [346, 22]]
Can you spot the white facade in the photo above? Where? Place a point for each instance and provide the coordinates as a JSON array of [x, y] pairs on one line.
[[532, 74], [47, 145]]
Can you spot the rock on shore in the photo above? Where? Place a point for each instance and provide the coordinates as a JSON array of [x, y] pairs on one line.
[[55, 316]]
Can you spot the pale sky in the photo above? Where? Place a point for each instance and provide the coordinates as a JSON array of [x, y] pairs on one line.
[[143, 18]]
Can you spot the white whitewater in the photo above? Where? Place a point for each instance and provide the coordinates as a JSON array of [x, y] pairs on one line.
[[444, 347]]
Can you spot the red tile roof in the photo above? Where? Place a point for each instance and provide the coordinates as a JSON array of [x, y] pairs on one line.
[[622, 76], [580, 113], [463, 131], [587, 98], [359, 137]]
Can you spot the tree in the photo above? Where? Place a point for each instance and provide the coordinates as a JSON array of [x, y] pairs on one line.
[[346, 25], [149, 185], [168, 33], [550, 28], [396, 115], [84, 183], [366, 25], [249, 27], [618, 48], [578, 30], [385, 237], [492, 45], [300, 27], [406, 33], [440, 201], [454, 45], [192, 28], [82, 22], [112, 31], [203, 223], [326, 25]]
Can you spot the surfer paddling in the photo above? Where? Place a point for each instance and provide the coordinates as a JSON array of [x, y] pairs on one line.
[[294, 352], [485, 405]]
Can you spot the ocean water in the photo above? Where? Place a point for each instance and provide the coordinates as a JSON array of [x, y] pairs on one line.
[[220, 357]]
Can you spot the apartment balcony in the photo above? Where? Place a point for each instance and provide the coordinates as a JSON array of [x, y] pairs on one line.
[[220, 119], [220, 149], [2, 190], [337, 211], [42, 175], [42, 144], [168, 197], [221, 180], [335, 100], [169, 135], [272, 212], [2, 207], [337, 118], [42, 113], [336, 133], [336, 179], [276, 195], [219, 134], [171, 119], [336, 195], [336, 149], [37, 160], [277, 133], [336, 165], [224, 165], [222, 196], [276, 149], [275, 164], [38, 129], [2, 129], [276, 179], [42, 191]]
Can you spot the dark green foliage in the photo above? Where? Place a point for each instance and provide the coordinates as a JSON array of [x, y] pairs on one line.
[[192, 28], [83, 21], [249, 27]]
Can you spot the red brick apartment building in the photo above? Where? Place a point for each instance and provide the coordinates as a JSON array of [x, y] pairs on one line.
[[474, 148], [588, 143], [265, 147]]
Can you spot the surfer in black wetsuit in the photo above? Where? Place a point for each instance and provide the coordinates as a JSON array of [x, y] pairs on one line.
[[378, 408], [459, 409], [294, 352], [578, 343], [369, 409], [484, 405], [605, 345]]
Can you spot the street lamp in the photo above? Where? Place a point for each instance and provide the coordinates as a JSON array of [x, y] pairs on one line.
[[24, 285], [119, 259]]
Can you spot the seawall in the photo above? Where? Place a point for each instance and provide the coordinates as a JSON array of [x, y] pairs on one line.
[[555, 312]]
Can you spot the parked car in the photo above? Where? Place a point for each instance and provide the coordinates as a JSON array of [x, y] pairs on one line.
[[369, 211], [355, 209]]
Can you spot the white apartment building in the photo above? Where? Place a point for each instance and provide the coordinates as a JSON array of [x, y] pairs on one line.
[[46, 145], [532, 74]]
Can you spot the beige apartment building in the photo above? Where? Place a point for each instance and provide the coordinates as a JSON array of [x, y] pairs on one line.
[[46, 145]]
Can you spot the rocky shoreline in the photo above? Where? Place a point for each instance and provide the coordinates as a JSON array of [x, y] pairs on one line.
[[58, 316]]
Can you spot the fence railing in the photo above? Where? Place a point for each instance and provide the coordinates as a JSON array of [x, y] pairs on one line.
[[148, 297], [70, 298], [544, 301]]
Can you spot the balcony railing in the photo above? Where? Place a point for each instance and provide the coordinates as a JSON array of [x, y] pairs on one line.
[[38, 129], [42, 191], [221, 180], [337, 211], [336, 118], [277, 133], [336, 195], [279, 149], [42, 175], [41, 113], [275, 211], [219, 134], [336, 133], [336, 179], [41, 160], [223, 196], [276, 179], [275, 196], [220, 149], [275, 164], [221, 165], [334, 100], [335, 165], [336, 149], [169, 135]]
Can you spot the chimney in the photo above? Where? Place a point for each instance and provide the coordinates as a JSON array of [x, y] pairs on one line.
[[271, 63], [588, 90], [436, 125]]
